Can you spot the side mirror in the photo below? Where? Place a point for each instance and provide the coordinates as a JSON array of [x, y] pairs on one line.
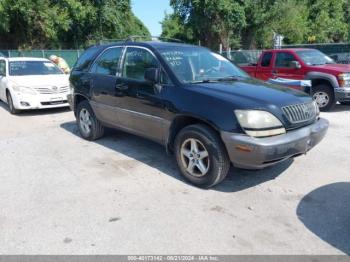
[[152, 75], [295, 65]]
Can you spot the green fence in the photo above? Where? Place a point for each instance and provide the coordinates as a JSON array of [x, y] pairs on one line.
[[69, 55]]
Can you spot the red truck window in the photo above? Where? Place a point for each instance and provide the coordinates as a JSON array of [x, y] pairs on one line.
[[266, 60], [284, 59]]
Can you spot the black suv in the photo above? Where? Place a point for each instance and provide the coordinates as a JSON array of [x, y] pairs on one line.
[[196, 103]]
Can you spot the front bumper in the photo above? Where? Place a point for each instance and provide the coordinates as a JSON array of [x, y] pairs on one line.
[[342, 94], [39, 101], [263, 152]]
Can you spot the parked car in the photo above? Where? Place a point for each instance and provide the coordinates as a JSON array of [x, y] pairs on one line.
[[196, 103], [32, 83], [330, 81]]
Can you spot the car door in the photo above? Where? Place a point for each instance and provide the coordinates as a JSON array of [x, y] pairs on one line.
[[283, 66], [142, 109], [3, 80], [103, 78], [264, 69]]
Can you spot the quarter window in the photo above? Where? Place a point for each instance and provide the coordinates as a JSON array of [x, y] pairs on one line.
[[284, 59], [266, 60], [107, 63], [137, 61], [2, 67]]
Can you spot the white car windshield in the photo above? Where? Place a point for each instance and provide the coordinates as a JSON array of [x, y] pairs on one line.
[[25, 68], [195, 64]]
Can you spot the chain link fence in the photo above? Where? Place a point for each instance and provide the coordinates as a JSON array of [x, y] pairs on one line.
[[70, 56], [339, 52]]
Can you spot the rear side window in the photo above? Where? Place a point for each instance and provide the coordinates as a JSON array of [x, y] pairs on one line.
[[284, 59], [107, 63], [266, 60], [86, 58]]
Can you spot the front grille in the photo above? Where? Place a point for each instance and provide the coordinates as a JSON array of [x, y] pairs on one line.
[[52, 90], [300, 113], [54, 103]]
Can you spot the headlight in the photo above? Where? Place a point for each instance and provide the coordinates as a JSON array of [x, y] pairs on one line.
[[344, 79], [24, 90], [259, 123]]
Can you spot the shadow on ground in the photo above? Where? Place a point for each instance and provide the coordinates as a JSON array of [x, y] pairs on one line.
[[154, 155], [36, 112], [326, 213]]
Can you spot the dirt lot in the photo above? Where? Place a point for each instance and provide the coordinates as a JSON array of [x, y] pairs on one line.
[[122, 194]]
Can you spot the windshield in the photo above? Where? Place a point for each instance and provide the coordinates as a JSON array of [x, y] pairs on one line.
[[314, 57], [195, 64], [25, 68]]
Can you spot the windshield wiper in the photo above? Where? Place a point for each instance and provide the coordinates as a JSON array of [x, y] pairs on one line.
[[228, 78], [215, 80]]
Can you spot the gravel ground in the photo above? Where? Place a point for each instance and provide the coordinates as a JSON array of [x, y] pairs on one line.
[[122, 194]]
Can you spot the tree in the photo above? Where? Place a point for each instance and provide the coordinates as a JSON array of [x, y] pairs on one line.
[[266, 17], [65, 23], [212, 21], [173, 27], [327, 20]]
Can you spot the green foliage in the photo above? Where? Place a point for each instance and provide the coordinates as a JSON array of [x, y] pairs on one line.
[[65, 23], [172, 27], [252, 23], [211, 21]]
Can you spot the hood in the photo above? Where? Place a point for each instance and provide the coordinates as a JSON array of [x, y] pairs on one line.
[[41, 80], [251, 93], [334, 68]]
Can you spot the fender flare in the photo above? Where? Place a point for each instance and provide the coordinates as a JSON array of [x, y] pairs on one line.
[[322, 76]]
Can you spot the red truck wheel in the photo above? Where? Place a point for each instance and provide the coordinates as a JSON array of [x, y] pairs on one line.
[[324, 97]]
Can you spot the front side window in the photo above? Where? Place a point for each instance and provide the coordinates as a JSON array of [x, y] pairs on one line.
[[24, 68], [2, 68], [107, 63], [284, 59], [137, 61], [196, 64]]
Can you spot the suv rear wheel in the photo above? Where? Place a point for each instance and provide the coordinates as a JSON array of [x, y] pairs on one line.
[[89, 126], [201, 156], [324, 97]]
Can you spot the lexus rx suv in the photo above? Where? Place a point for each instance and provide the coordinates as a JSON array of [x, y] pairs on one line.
[[196, 103]]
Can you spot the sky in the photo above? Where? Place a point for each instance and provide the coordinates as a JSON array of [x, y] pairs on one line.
[[151, 13]]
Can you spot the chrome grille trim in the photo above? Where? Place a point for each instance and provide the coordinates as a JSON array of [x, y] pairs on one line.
[[51, 90], [300, 113]]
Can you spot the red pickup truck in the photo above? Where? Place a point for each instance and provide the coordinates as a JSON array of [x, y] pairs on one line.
[[330, 81]]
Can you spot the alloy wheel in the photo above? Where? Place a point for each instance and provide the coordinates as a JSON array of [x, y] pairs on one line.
[[85, 121], [195, 157]]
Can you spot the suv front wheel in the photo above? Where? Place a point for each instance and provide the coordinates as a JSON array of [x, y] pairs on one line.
[[89, 126], [201, 156]]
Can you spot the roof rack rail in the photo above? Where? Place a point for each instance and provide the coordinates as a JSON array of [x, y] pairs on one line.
[[135, 38]]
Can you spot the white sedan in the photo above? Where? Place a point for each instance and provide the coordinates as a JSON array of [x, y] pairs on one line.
[[32, 83]]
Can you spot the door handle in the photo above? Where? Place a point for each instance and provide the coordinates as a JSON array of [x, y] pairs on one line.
[[121, 86]]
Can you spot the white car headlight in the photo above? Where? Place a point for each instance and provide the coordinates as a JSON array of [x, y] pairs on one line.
[[258, 123], [24, 90]]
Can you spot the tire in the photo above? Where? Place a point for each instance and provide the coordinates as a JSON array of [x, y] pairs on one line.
[[12, 108], [211, 170], [345, 103], [90, 128], [324, 96]]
